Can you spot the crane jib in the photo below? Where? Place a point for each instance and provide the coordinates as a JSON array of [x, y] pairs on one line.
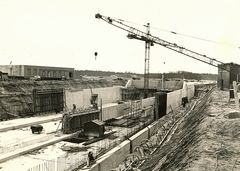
[[134, 33]]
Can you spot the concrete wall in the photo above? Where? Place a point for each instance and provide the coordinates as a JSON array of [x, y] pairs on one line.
[[113, 94], [113, 158], [157, 84], [174, 99], [148, 102], [153, 128], [188, 89], [82, 97], [191, 89], [116, 156], [139, 137], [108, 95], [74, 97], [152, 83], [173, 85], [110, 111], [123, 109], [115, 110]]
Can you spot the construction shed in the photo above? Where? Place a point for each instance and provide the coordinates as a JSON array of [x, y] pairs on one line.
[[94, 128], [227, 73]]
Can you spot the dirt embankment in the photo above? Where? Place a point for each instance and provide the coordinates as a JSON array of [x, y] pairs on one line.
[[219, 146], [206, 140], [16, 95]]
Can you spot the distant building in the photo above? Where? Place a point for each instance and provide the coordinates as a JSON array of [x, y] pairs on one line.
[[28, 71], [227, 76]]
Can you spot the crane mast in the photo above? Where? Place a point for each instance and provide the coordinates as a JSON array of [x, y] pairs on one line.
[[147, 59], [149, 40]]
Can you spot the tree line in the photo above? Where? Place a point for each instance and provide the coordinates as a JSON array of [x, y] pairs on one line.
[[169, 75]]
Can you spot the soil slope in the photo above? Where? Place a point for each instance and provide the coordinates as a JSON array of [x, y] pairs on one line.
[[16, 95], [206, 140]]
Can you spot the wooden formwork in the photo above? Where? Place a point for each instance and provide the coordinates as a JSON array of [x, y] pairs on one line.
[[73, 122], [45, 100]]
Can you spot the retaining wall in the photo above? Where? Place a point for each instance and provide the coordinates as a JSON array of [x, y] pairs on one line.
[[157, 84], [137, 138], [108, 95], [113, 94], [174, 99], [148, 102], [152, 84], [112, 158], [191, 89], [110, 111], [115, 110], [74, 97], [152, 129], [123, 109], [82, 97], [116, 156], [173, 85]]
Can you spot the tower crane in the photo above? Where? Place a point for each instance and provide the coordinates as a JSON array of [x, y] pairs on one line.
[[149, 40]]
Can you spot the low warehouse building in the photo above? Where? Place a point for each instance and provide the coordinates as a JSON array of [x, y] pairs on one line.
[[27, 71]]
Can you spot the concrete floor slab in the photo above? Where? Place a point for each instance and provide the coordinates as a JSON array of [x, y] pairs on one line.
[[24, 122]]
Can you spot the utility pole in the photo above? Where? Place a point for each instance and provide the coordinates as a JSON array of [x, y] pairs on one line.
[[163, 87], [163, 81], [11, 70]]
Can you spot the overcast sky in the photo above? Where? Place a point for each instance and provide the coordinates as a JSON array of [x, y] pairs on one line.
[[65, 33]]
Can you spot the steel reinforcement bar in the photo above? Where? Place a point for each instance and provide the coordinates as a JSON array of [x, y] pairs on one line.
[[197, 107]]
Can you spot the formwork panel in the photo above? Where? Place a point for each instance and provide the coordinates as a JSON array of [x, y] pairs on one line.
[[46, 100], [75, 122]]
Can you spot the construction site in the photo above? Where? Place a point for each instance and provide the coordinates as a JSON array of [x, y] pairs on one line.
[[53, 119], [56, 129]]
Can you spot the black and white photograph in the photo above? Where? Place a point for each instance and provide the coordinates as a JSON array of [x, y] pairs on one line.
[[119, 85]]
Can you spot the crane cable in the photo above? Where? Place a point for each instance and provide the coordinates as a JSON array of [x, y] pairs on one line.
[[176, 33]]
